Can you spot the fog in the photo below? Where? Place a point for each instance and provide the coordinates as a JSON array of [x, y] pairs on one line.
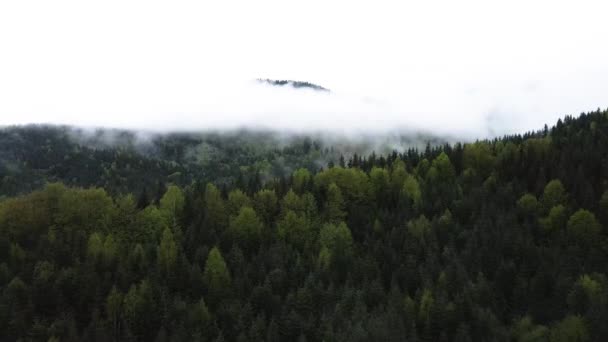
[[468, 70]]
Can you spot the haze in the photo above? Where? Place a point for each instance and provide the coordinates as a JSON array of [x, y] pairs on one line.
[[466, 68]]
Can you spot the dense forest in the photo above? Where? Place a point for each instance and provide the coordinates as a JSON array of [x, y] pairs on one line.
[[240, 238]]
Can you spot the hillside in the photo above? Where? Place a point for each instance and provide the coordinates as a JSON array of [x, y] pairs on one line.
[[245, 237]]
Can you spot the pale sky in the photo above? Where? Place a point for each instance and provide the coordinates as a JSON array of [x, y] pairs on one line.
[[458, 67]]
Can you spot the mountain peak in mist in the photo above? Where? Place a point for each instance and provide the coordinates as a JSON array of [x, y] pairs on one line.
[[292, 83]]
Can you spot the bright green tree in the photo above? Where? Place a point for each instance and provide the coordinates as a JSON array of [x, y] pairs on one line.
[[291, 201], [583, 226], [585, 292], [554, 194], [478, 156], [301, 179], [199, 318], [555, 220], [167, 253], [295, 229], [172, 204], [216, 216], [524, 330], [334, 205], [412, 193], [246, 228], [147, 227], [114, 302], [216, 275], [380, 180], [570, 329], [95, 247], [419, 227], [527, 204], [398, 175], [336, 244], [265, 203], [141, 311], [236, 200]]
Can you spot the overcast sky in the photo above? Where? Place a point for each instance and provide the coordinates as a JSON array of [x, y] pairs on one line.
[[461, 67]]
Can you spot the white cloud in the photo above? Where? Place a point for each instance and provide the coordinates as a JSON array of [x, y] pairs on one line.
[[464, 67]]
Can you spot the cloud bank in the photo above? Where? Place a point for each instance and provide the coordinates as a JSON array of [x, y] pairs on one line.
[[467, 69], [464, 112]]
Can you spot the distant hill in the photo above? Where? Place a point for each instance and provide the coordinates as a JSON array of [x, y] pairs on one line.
[[128, 161], [295, 84]]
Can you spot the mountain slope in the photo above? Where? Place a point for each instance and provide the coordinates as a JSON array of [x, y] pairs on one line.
[[502, 240]]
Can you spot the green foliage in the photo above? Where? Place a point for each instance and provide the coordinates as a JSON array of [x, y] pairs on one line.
[[334, 205], [380, 180], [378, 228], [353, 183], [419, 227], [265, 203], [216, 275], [336, 243], [398, 174], [426, 304], [246, 228], [114, 303], [524, 330], [583, 226], [301, 179], [199, 317], [292, 202], [527, 204], [237, 199], [146, 228], [95, 246], [296, 230], [140, 310], [172, 204], [554, 194], [90, 209], [555, 220], [216, 216], [411, 192], [570, 329], [479, 157], [441, 170], [432, 245], [585, 292], [167, 253]]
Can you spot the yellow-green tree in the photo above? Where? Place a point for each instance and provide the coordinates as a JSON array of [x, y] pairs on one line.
[[167, 253], [296, 230], [246, 228], [334, 205], [172, 204], [216, 276], [216, 216], [583, 226]]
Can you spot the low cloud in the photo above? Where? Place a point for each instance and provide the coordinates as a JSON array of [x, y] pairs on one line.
[[470, 70], [448, 111]]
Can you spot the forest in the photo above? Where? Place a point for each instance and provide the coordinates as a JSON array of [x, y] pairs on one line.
[[241, 238]]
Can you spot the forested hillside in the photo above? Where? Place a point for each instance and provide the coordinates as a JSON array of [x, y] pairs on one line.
[[143, 162], [214, 239]]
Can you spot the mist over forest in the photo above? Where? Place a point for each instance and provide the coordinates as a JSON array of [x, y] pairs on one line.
[[112, 234], [232, 171]]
